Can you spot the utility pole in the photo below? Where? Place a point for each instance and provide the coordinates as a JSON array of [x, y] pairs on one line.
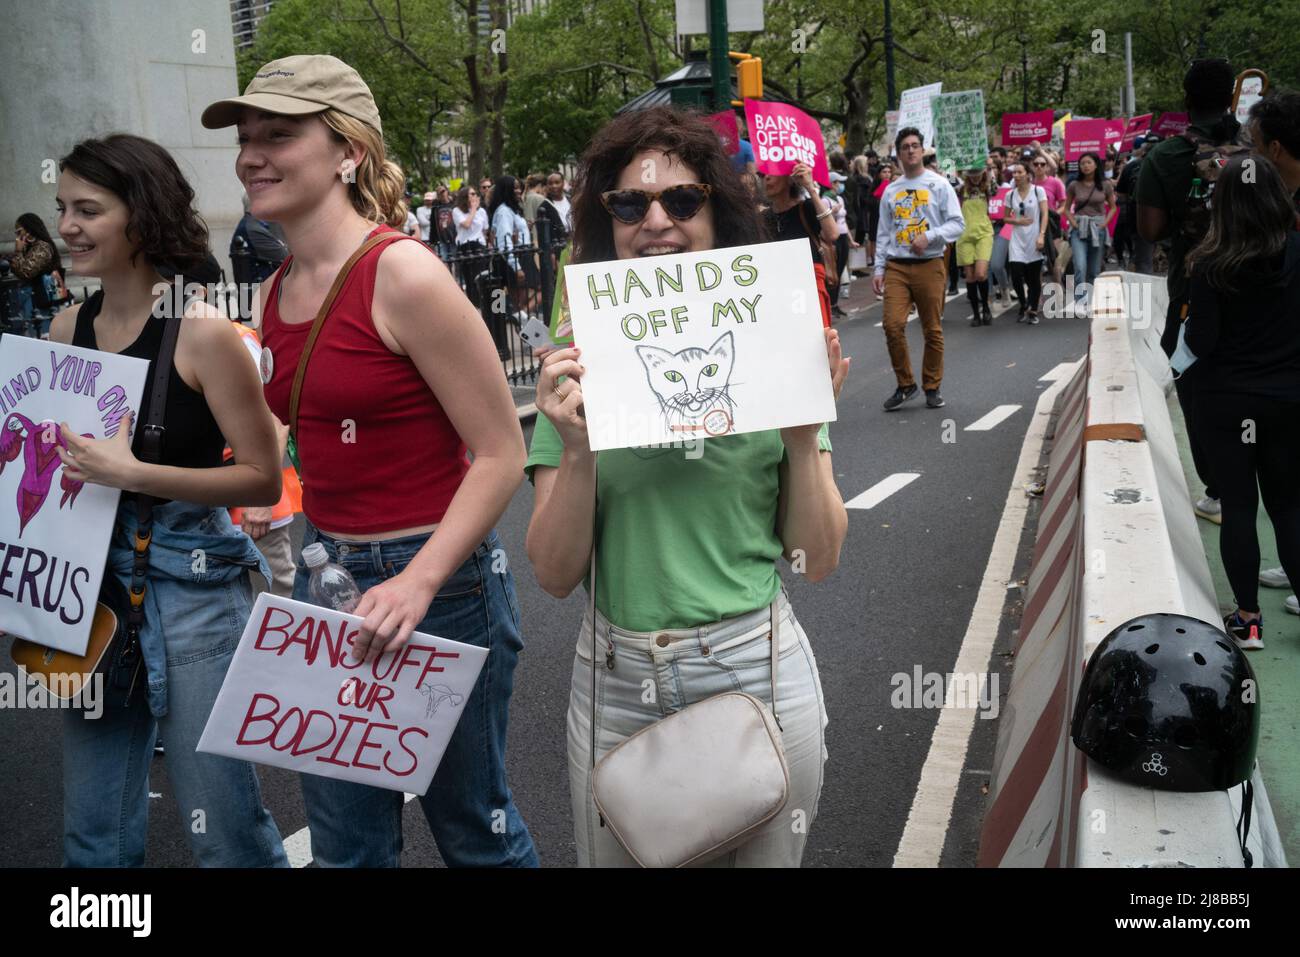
[[891, 92], [719, 61], [1128, 73], [1024, 73]]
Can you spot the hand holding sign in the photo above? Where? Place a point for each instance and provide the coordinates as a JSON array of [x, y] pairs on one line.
[[391, 611], [561, 402], [108, 462], [802, 174]]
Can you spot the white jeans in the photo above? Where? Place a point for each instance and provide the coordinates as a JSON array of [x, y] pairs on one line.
[[657, 673]]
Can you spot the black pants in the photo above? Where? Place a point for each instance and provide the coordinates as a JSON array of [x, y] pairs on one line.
[[1255, 444], [1201, 459], [841, 263], [1027, 275]]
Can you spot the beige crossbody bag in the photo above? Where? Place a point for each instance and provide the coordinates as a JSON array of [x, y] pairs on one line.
[[696, 784]]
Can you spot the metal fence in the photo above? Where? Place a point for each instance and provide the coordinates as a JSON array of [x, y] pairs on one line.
[[508, 294]]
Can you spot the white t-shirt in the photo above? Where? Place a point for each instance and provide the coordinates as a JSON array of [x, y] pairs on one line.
[[566, 211], [412, 224], [1023, 246], [425, 216], [470, 228]]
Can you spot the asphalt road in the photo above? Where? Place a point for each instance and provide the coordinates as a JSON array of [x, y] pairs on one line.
[[901, 598]]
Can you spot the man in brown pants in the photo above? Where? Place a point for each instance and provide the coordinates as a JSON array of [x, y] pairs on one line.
[[919, 215]]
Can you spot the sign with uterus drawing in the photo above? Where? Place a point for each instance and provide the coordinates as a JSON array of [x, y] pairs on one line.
[[54, 531], [700, 345]]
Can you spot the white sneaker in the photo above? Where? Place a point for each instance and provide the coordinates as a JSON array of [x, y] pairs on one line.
[[1292, 605], [1210, 510], [1274, 578]]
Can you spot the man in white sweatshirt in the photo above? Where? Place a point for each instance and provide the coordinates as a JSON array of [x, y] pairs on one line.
[[919, 215]]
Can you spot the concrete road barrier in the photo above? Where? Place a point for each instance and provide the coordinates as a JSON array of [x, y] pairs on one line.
[[1116, 538]]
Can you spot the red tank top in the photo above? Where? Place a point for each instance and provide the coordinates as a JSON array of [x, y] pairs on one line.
[[378, 452]]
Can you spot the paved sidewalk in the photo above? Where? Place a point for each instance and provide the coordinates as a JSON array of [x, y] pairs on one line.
[[1276, 665]]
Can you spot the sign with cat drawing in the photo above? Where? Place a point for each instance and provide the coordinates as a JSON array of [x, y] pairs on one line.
[[700, 345]]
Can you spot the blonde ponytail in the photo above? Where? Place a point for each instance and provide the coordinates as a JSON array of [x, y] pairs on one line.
[[379, 187]]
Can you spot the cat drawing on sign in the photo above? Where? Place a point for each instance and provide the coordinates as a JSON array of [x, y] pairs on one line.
[[692, 385]]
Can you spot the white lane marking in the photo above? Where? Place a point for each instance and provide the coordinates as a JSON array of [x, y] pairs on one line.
[[1063, 371], [993, 419], [297, 846], [882, 490], [927, 822], [911, 318]]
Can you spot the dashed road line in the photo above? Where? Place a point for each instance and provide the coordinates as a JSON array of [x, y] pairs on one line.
[[1059, 372], [882, 490], [993, 419]]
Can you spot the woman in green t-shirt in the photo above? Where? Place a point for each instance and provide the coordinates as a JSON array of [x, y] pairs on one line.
[[686, 569]]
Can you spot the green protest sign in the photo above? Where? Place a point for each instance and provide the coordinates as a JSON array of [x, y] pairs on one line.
[[960, 135]]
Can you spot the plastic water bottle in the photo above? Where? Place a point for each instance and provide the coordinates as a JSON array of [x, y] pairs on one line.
[[331, 585]]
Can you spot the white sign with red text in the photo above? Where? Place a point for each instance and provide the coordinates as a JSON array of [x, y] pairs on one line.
[[294, 698]]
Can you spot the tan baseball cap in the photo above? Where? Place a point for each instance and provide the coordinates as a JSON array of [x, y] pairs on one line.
[[298, 86]]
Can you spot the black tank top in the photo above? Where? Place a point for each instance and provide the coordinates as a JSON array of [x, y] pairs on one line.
[[193, 439]]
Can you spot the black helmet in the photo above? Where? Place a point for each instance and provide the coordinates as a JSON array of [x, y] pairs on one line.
[[1169, 702]]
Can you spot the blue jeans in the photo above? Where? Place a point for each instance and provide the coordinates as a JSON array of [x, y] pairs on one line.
[[998, 264], [191, 630], [1087, 262], [468, 806]]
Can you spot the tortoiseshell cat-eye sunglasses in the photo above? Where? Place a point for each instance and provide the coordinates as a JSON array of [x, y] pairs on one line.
[[630, 206]]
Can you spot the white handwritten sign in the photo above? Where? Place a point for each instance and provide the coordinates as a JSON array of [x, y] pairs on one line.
[[700, 345], [294, 698], [914, 110], [54, 531]]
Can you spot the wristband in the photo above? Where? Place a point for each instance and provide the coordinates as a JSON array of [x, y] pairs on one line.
[[824, 213]]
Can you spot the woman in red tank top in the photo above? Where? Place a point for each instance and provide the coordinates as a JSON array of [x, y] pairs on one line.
[[401, 382]]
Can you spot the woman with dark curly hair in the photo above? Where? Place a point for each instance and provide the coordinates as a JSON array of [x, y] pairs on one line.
[[126, 213], [688, 591]]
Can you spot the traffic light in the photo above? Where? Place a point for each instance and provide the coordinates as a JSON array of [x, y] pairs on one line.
[[749, 78]]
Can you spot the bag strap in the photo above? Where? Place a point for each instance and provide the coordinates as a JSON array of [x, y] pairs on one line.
[[319, 322], [774, 637], [151, 448]]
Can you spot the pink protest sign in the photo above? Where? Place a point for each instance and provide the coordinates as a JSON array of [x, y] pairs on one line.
[[1021, 129], [728, 131], [783, 136], [1170, 124], [998, 201], [1133, 129], [1091, 136]]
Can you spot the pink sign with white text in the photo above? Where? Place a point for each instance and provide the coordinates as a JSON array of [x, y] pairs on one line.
[[1135, 128], [784, 136], [1091, 136], [1170, 124], [1021, 129]]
